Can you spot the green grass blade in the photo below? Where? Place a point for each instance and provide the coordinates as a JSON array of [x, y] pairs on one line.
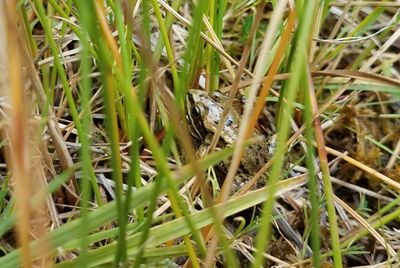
[[178, 227]]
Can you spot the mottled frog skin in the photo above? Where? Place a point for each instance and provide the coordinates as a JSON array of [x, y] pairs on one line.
[[205, 113]]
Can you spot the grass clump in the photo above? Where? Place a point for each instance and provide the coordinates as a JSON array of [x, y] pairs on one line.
[[289, 159]]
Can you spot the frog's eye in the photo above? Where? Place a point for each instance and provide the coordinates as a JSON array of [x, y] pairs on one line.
[[195, 111]]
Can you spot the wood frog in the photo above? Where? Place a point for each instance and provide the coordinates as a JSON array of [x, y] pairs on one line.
[[205, 112]]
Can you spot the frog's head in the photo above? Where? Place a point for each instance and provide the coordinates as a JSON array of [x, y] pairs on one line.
[[205, 113]]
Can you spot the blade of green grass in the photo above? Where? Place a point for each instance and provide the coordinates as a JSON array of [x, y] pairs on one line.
[[105, 64], [168, 23], [88, 22], [194, 45], [178, 227], [312, 178], [167, 44]]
